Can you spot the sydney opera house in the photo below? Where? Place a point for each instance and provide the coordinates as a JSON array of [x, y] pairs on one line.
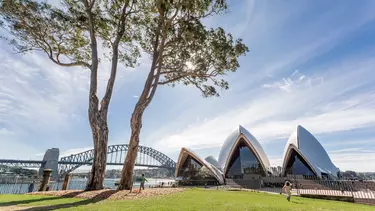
[[242, 157]]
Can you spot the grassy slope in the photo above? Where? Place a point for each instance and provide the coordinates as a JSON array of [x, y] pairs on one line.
[[190, 200]]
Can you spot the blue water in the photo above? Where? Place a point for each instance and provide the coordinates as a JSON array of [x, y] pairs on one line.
[[74, 184]]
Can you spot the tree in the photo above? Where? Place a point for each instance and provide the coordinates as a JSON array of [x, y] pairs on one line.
[[69, 36], [183, 51]]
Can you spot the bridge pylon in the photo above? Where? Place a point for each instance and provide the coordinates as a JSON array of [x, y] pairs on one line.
[[51, 161]]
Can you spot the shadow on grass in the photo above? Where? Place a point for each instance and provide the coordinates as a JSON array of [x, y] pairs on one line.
[[99, 197], [28, 201], [60, 206], [296, 202]]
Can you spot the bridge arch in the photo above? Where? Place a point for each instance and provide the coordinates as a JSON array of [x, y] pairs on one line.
[[74, 161]]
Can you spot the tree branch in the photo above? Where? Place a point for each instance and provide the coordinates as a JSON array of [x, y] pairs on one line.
[[171, 80], [111, 81], [184, 75], [159, 62], [92, 4], [196, 85], [93, 98], [79, 63]]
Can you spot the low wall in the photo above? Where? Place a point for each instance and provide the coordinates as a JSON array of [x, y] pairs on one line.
[[327, 197], [365, 201]]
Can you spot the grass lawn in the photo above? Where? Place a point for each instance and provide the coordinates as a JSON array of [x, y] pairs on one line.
[[195, 199]]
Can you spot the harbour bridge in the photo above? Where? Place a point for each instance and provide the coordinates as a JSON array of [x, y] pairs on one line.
[[146, 157]]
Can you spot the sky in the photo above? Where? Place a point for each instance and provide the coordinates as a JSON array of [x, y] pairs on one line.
[[311, 63]]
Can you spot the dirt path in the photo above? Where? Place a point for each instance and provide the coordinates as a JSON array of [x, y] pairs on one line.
[[112, 194]]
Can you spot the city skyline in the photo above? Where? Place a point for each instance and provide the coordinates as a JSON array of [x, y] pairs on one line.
[[310, 64]]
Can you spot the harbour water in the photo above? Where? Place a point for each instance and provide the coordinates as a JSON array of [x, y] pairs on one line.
[[74, 184]]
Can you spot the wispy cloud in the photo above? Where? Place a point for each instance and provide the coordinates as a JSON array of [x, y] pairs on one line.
[[275, 114], [358, 159], [296, 80], [4, 131], [272, 100], [347, 143], [304, 68], [74, 151], [34, 94]]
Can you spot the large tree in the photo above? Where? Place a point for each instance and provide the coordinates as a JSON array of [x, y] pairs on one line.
[[69, 36], [183, 51]]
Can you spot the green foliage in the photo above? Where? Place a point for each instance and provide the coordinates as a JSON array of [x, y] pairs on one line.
[[36, 26], [18, 170], [63, 33], [192, 54]]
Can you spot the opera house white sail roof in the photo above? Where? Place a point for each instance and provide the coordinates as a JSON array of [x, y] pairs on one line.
[[232, 141], [241, 156], [213, 161], [184, 153], [311, 151]]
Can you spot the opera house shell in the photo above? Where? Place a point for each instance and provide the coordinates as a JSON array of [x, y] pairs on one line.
[[242, 157], [241, 153], [304, 155], [190, 167]]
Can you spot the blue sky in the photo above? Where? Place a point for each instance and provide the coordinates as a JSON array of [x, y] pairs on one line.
[[310, 63]]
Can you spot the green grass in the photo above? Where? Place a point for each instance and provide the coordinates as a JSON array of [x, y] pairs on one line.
[[195, 199]]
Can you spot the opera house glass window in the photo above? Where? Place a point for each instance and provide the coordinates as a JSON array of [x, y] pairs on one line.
[[193, 172], [298, 166], [243, 161]]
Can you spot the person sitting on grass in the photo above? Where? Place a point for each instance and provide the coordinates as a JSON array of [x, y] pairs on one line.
[[288, 188], [143, 180]]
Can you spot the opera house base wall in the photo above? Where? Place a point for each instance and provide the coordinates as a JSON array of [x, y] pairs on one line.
[[243, 183], [328, 197]]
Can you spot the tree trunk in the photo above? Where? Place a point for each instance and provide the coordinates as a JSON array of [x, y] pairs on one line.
[[126, 182], [97, 175]]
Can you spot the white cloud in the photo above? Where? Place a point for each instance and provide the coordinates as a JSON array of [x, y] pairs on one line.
[[74, 151], [357, 159], [38, 95], [12, 149], [275, 114], [349, 143], [296, 80], [4, 131], [35, 94]]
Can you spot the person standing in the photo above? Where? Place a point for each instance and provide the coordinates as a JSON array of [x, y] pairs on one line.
[[143, 180], [31, 187], [288, 190]]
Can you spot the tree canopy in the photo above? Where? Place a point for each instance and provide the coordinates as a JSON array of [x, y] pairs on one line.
[[64, 33], [191, 54], [183, 50], [69, 36]]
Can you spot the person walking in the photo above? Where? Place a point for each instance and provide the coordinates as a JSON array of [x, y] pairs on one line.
[[288, 190], [143, 180]]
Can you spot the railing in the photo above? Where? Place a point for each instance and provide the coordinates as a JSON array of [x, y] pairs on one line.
[[358, 191], [13, 184], [354, 191]]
